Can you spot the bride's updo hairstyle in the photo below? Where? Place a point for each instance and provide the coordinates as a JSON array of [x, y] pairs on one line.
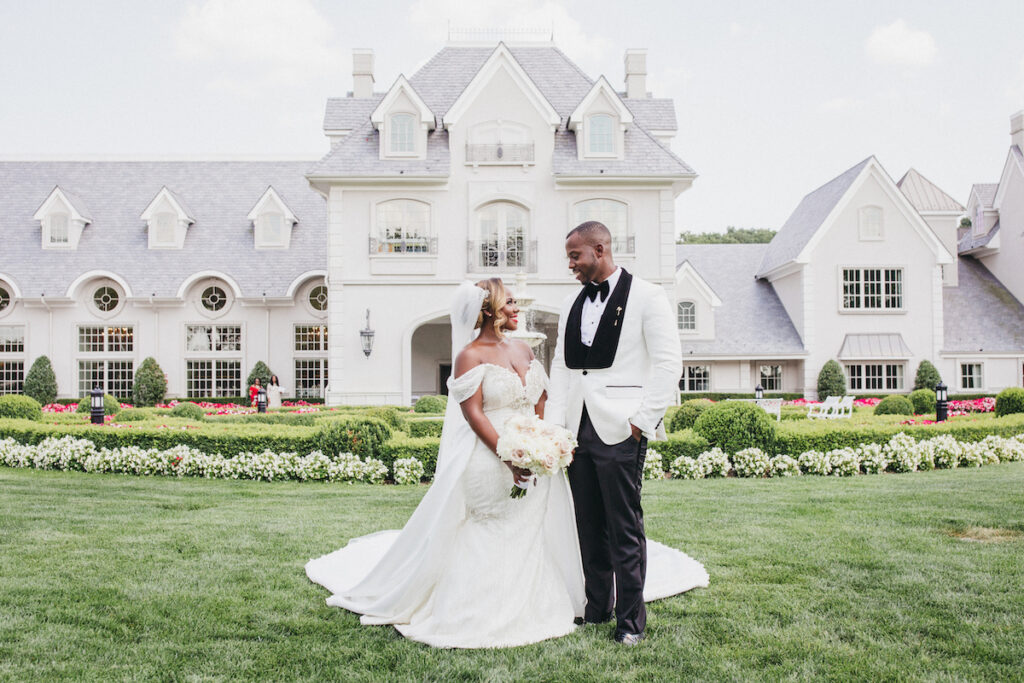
[[490, 309]]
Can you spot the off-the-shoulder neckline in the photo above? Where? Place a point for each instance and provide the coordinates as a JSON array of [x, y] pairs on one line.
[[522, 378]]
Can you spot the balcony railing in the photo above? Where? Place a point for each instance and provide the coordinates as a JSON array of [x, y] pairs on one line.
[[499, 154], [623, 245], [403, 245], [491, 256]]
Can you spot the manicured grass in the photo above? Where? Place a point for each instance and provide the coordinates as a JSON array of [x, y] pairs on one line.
[[106, 577]]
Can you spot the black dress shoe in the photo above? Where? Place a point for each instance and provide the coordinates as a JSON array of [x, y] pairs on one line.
[[629, 638], [583, 621]]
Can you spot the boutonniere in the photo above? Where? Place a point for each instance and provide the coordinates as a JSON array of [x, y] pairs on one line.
[[618, 312]]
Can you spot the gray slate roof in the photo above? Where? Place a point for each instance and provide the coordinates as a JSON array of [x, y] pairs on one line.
[[804, 222], [751, 320], [218, 194], [926, 195], [440, 82], [981, 314], [970, 241], [986, 193], [867, 346]]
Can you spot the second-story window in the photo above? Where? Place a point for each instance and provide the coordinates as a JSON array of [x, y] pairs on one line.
[[403, 227], [502, 229], [165, 224], [872, 289], [686, 316], [600, 134], [401, 138], [614, 215], [870, 223], [59, 228]]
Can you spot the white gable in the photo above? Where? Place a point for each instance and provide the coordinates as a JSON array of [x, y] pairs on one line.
[[62, 217], [402, 89], [601, 94], [501, 60], [167, 220], [272, 221]]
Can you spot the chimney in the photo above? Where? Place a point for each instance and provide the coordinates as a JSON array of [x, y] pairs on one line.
[[362, 73], [636, 74], [1017, 129]]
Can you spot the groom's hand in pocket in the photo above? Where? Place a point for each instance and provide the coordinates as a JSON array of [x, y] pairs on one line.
[[637, 434]]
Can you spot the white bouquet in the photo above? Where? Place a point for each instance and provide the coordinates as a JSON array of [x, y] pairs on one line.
[[530, 443]]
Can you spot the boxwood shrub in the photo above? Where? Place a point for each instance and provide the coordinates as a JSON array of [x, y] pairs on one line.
[[20, 407], [299, 419], [111, 406], [1010, 401], [428, 427], [189, 411], [894, 405], [734, 425], [361, 436], [431, 404], [422, 448], [686, 414], [135, 415], [389, 415], [923, 400], [684, 442]]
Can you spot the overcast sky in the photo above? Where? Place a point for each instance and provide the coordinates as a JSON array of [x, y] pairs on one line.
[[772, 98]]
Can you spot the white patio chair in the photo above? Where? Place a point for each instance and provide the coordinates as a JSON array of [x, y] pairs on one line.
[[823, 411], [844, 409]]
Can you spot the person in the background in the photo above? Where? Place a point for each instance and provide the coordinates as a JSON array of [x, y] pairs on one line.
[[274, 392], [254, 389]]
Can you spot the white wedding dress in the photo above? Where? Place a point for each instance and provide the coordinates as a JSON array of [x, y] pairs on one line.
[[474, 568]]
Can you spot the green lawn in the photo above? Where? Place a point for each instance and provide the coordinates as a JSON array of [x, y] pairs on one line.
[[109, 577]]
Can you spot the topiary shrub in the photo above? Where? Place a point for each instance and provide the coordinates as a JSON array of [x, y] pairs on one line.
[[386, 414], [41, 382], [894, 405], [927, 376], [150, 384], [831, 381], [360, 436], [734, 425], [19, 407], [923, 400], [133, 415], [431, 404], [189, 411], [260, 370], [686, 415], [1009, 401], [111, 406]]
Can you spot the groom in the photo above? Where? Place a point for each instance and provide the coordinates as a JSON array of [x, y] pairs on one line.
[[614, 372]]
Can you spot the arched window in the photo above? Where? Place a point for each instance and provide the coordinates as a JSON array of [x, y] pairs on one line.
[[106, 299], [318, 298], [601, 134], [871, 223], [615, 216], [403, 227], [502, 228], [686, 316], [401, 134], [5, 298]]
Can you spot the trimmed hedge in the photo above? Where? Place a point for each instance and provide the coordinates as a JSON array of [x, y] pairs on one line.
[[734, 425], [429, 427], [927, 376], [19, 407], [389, 415], [431, 404], [923, 400], [894, 405], [299, 419], [189, 411], [135, 415], [1010, 401], [149, 386], [686, 442], [362, 436], [831, 381], [422, 448], [686, 414], [111, 406]]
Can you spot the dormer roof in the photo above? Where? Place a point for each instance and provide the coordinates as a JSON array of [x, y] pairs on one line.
[[400, 87], [270, 200], [600, 87], [926, 196], [71, 200], [175, 201]]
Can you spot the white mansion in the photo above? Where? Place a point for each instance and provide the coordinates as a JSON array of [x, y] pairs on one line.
[[476, 167]]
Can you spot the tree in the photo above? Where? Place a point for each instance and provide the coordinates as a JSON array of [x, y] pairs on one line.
[[927, 376], [260, 370], [831, 381], [41, 382], [150, 385], [731, 235]]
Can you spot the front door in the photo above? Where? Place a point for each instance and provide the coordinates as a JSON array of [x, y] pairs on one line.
[[444, 371]]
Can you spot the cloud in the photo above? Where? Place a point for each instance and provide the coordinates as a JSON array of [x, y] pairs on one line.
[[838, 104], [1015, 88], [899, 45], [257, 43]]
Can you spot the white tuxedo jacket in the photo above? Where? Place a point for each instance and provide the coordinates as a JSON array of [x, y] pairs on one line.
[[630, 375]]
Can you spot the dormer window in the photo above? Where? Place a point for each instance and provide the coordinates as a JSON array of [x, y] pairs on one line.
[[601, 134], [62, 218], [402, 134], [273, 221], [167, 220], [165, 226]]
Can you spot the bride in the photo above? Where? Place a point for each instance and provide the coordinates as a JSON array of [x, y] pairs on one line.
[[474, 568]]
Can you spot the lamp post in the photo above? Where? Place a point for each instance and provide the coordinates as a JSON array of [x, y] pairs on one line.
[[941, 402], [758, 392], [366, 336], [261, 400], [96, 409]]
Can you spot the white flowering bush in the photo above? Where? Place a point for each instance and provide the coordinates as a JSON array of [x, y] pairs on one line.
[[845, 462], [751, 462], [815, 462], [653, 467], [973, 454], [408, 471], [903, 452], [714, 463], [1007, 450], [946, 452], [783, 465], [685, 467], [874, 459]]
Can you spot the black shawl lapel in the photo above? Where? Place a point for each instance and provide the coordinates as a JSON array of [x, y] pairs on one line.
[[575, 351], [606, 338]]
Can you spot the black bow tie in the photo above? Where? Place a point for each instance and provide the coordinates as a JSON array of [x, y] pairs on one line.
[[593, 288]]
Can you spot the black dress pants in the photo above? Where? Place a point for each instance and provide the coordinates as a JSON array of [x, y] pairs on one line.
[[606, 481]]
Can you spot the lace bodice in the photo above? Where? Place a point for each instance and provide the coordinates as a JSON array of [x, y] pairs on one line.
[[502, 386]]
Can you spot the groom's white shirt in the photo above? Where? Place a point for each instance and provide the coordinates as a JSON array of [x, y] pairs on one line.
[[640, 384]]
